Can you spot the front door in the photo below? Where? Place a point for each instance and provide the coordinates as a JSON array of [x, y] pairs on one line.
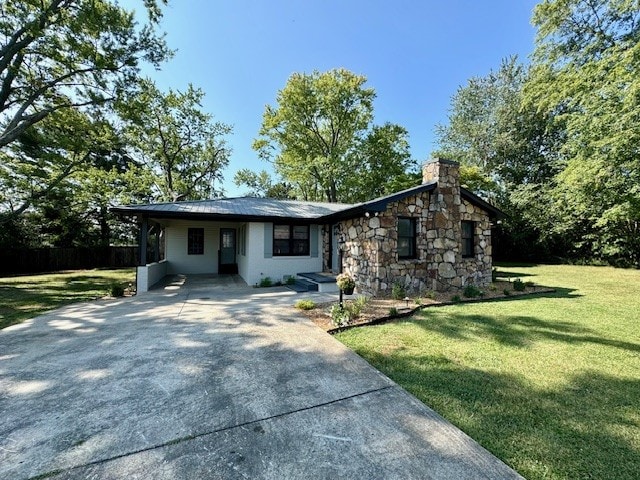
[[227, 256]]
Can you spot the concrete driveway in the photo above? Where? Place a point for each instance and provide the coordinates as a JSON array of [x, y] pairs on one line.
[[202, 382]]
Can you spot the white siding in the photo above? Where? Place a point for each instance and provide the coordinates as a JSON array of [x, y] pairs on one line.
[[243, 254], [258, 267], [150, 274], [176, 246], [252, 267]]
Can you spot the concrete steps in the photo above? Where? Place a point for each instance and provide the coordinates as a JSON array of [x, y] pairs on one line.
[[315, 282]]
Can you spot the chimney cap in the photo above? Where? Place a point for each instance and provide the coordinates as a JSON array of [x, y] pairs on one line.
[[446, 161]]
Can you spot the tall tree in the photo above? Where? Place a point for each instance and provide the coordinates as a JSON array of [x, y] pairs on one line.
[[315, 133], [261, 184], [491, 128], [587, 62], [380, 164], [60, 178], [59, 55], [180, 144], [509, 153], [47, 154]]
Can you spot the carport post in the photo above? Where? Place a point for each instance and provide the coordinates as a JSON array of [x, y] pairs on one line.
[[156, 250], [143, 240]]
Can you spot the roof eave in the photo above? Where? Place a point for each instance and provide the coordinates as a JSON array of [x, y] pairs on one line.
[[130, 212], [493, 212], [378, 204]]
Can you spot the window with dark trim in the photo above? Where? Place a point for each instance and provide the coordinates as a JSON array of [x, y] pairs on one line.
[[406, 238], [290, 240], [467, 238], [195, 241]]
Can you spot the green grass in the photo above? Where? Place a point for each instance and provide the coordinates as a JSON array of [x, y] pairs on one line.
[[550, 384], [25, 296]]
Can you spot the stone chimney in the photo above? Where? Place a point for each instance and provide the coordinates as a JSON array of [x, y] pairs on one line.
[[444, 229], [445, 172]]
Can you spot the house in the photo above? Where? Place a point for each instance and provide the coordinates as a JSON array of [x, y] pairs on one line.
[[435, 236]]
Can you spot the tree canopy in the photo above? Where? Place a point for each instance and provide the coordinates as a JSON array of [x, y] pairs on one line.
[[560, 138], [182, 146], [80, 130], [68, 54], [320, 137], [586, 75]]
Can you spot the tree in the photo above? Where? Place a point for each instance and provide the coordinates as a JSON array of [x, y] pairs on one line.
[[380, 164], [47, 154], [180, 144], [321, 128], [491, 128], [587, 62], [62, 55], [262, 185], [509, 153], [58, 184]]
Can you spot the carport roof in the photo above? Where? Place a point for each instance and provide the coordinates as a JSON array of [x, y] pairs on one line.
[[241, 208]]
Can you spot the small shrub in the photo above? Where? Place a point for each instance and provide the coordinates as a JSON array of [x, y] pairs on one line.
[[305, 304], [493, 288], [358, 305], [265, 282], [290, 280], [398, 291], [418, 301], [339, 315], [506, 292], [393, 311], [117, 290], [471, 291], [430, 294], [456, 299], [518, 285]]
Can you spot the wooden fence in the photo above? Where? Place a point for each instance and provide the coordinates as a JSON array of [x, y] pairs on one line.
[[35, 260]]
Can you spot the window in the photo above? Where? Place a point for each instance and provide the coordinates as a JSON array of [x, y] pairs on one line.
[[406, 238], [467, 238], [195, 241], [291, 240]]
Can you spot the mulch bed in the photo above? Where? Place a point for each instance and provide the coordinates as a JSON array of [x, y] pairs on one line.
[[378, 309]]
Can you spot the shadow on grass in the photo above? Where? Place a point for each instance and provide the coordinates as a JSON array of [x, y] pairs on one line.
[[583, 429], [518, 331], [19, 302], [515, 264]]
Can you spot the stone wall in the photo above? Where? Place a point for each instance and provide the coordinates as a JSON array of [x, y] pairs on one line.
[[369, 243], [326, 248]]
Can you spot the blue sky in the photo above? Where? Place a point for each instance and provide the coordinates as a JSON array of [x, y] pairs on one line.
[[415, 54]]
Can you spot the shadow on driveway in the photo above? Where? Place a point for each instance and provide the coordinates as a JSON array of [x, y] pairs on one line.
[[200, 381]]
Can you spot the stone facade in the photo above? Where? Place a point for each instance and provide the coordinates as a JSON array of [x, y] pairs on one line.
[[369, 244]]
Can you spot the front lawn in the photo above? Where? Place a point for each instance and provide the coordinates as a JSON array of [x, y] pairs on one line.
[[550, 384], [25, 296]]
